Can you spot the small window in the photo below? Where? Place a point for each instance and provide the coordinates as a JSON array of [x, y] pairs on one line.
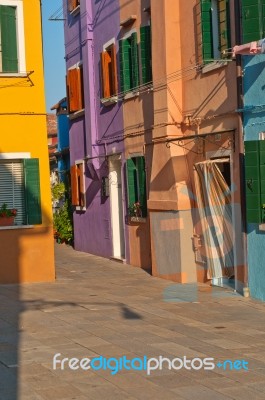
[[75, 89], [78, 185], [215, 24], [73, 4], [109, 72], [136, 187], [12, 45], [129, 63], [20, 189]]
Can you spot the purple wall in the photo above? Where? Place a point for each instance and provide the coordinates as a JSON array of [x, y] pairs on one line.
[[85, 35]]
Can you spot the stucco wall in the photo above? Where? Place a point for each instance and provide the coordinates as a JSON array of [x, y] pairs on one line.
[[22, 250]]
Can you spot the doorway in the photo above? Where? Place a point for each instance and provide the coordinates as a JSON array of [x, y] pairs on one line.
[[213, 193], [116, 206]]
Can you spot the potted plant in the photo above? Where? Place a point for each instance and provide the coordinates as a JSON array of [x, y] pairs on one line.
[[7, 215], [135, 210]]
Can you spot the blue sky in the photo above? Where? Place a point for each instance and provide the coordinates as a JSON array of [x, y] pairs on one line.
[[54, 64]]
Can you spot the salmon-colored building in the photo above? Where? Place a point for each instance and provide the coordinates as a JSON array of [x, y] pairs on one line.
[[186, 126]]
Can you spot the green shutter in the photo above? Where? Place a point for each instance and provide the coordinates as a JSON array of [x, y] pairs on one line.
[[224, 25], [125, 65], [252, 177], [142, 184], [146, 58], [132, 194], [206, 27], [32, 191], [8, 39], [252, 20], [262, 176], [134, 61]]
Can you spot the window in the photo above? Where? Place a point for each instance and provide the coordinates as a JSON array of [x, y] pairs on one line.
[[20, 189], [215, 26], [12, 46], [75, 89], [109, 72], [129, 64], [136, 184], [146, 57], [253, 17], [78, 185], [73, 4]]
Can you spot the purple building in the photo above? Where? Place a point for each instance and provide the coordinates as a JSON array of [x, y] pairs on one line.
[[95, 116]]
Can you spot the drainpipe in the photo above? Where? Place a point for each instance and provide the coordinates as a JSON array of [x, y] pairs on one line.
[[238, 30]]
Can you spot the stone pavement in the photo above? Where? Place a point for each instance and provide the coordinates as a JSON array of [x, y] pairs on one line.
[[101, 307]]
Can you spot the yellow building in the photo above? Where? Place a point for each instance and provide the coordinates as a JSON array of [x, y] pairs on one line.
[[26, 248]]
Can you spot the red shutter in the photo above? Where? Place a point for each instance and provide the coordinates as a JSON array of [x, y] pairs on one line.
[[105, 61], [81, 185], [74, 185], [114, 71], [71, 5], [75, 99]]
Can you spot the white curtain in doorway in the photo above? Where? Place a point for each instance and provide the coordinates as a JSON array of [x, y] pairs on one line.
[[214, 206]]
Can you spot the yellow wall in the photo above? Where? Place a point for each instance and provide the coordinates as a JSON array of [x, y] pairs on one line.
[[27, 254]]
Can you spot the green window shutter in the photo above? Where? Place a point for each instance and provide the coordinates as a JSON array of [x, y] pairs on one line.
[[32, 191], [224, 24], [252, 20], [252, 177], [142, 184], [262, 176], [206, 27], [8, 39], [125, 65], [134, 61], [146, 57], [132, 186]]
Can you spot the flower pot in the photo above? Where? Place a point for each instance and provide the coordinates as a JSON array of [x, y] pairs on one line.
[[7, 221]]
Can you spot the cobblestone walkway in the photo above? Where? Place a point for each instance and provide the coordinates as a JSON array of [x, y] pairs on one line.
[[98, 307]]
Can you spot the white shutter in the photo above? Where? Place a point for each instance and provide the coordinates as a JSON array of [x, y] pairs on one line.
[[12, 188]]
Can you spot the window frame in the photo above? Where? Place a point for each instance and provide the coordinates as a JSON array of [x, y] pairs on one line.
[[213, 47], [75, 95], [109, 80], [133, 63], [137, 193], [78, 185], [20, 36], [31, 188]]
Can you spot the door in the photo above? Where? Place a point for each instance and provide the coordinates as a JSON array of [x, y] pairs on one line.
[[116, 205], [212, 184]]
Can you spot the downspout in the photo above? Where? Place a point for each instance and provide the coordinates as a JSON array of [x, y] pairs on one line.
[[238, 30]]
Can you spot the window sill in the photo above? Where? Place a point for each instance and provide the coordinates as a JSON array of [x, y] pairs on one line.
[[75, 11], [131, 95], [13, 74], [214, 65], [137, 219], [77, 114], [79, 208], [3, 228], [108, 101]]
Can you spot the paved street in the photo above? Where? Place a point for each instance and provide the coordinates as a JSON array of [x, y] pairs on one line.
[[101, 307]]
